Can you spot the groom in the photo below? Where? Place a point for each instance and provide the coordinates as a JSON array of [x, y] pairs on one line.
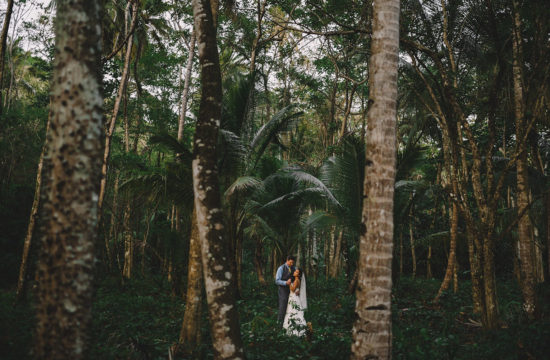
[[282, 279]]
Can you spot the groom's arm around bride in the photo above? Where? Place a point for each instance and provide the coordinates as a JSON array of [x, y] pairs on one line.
[[283, 280]]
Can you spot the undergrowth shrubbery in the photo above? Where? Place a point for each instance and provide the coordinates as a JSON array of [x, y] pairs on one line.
[[140, 320]]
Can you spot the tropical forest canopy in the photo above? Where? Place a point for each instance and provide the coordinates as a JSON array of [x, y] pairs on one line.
[[159, 183]]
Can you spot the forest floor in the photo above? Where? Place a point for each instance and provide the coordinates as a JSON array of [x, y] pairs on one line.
[[140, 320]]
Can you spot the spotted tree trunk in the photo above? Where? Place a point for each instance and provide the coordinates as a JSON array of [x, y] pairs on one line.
[[219, 281], [526, 243], [372, 330], [70, 185]]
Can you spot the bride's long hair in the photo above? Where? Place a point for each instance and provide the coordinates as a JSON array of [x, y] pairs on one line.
[[301, 274]]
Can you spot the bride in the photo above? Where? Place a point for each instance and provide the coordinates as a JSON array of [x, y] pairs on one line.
[[295, 323]]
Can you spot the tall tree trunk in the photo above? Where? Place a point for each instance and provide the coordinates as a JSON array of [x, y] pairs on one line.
[[372, 330], [475, 272], [70, 185], [128, 243], [219, 281], [411, 238], [335, 263], [451, 269], [401, 253], [128, 238], [258, 262], [3, 39], [429, 274], [113, 231], [112, 122], [190, 331], [526, 245], [185, 95], [32, 220], [548, 231]]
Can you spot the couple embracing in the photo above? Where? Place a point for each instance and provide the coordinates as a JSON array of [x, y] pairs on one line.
[[292, 297]]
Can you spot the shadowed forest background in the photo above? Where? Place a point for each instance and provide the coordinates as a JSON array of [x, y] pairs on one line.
[[471, 205]]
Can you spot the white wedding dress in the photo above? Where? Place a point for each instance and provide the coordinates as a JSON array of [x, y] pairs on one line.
[[295, 322]]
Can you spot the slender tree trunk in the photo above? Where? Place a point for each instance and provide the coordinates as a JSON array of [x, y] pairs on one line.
[[372, 335], [451, 266], [258, 262], [190, 331], [401, 253], [548, 231], [3, 39], [455, 277], [429, 263], [128, 243], [411, 238], [70, 185], [128, 238], [185, 95], [526, 245], [21, 282], [113, 231], [112, 122], [219, 281], [335, 263]]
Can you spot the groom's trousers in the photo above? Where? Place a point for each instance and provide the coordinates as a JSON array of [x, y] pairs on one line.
[[284, 292]]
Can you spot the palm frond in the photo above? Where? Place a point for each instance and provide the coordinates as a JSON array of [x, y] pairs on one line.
[[171, 143], [283, 120], [243, 184], [305, 178]]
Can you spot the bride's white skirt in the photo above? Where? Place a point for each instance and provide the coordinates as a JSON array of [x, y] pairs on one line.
[[295, 322]]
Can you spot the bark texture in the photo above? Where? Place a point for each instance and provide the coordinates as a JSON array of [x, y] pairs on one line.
[[526, 243], [372, 330], [3, 38], [451, 262], [190, 330], [70, 185], [219, 281]]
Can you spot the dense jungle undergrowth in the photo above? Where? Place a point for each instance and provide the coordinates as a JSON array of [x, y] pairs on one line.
[[140, 320]]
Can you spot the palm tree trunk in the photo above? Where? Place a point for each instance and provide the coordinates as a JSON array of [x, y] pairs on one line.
[[112, 122], [70, 186], [372, 330], [3, 39], [526, 245], [219, 281]]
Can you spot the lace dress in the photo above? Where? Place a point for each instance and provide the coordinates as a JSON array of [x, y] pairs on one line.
[[295, 322]]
